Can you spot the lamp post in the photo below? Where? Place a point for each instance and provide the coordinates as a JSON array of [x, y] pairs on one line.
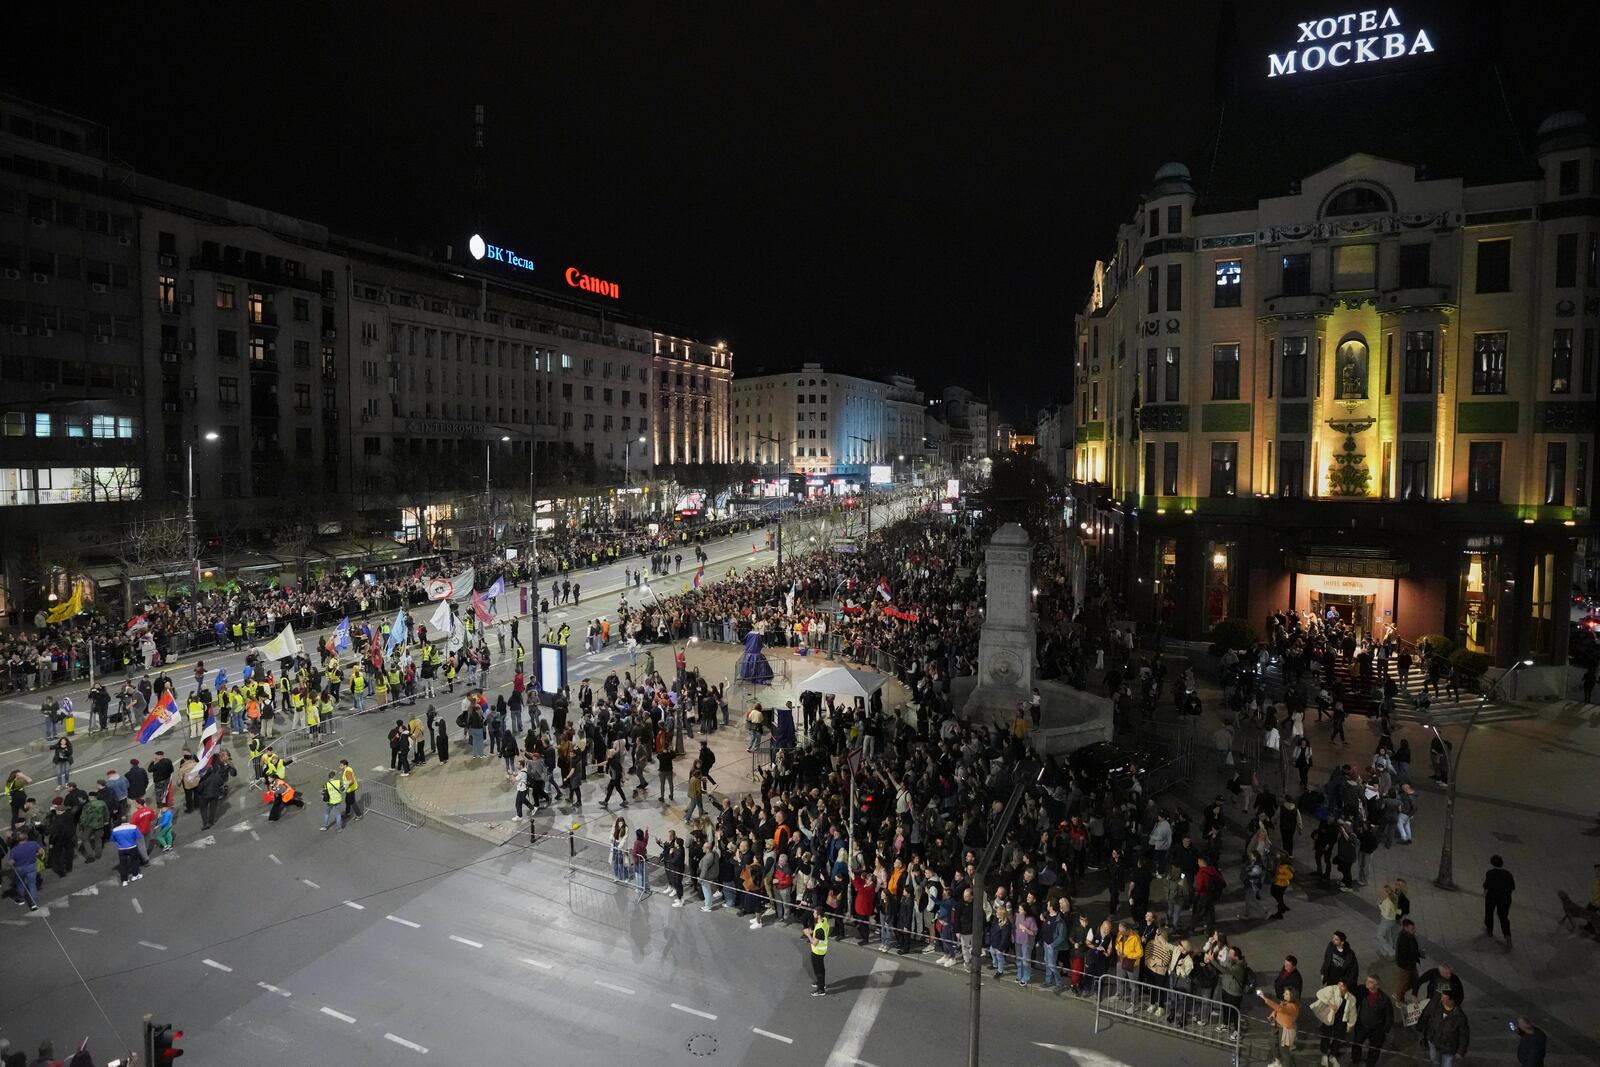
[[677, 719], [866, 490], [194, 550], [627, 464], [488, 511], [1446, 876], [1029, 772]]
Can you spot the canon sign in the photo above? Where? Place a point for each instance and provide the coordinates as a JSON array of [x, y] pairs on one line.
[[1346, 40]]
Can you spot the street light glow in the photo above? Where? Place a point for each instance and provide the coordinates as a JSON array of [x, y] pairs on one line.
[[212, 435]]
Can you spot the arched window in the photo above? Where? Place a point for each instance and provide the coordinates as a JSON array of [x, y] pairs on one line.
[[1350, 368], [1357, 200]]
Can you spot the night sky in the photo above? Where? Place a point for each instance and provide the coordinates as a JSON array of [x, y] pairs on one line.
[[920, 188]]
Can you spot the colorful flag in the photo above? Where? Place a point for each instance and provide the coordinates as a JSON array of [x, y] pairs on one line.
[[699, 575], [417, 575], [397, 631], [458, 636], [65, 610], [341, 635], [480, 608], [441, 618], [210, 734], [162, 717], [883, 590], [461, 584], [137, 623], [497, 589]]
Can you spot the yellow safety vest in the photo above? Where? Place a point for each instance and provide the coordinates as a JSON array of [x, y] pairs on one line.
[[197, 710], [350, 783], [332, 792], [819, 938]]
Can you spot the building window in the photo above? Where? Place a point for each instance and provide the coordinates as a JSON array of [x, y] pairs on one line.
[[302, 309], [1555, 473], [1417, 374], [1169, 468], [227, 390], [1225, 372], [1149, 468], [1295, 351], [1296, 274], [1229, 291], [1153, 291], [225, 296], [1588, 358], [1566, 260], [1352, 357], [257, 308], [1175, 287], [1415, 459], [1494, 265], [258, 350], [1355, 267], [227, 344], [1175, 218], [1488, 364], [1155, 222], [167, 292], [1151, 371], [302, 353], [1483, 472], [1561, 360], [1580, 476], [1291, 469], [1173, 372], [1224, 468], [302, 396], [1219, 582], [1415, 265], [1567, 177]]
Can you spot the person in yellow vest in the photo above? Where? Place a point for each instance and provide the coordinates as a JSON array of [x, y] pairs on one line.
[[817, 936], [358, 687], [380, 687], [313, 718], [297, 708], [256, 748], [236, 631], [325, 714], [197, 714], [394, 680], [333, 801], [450, 674], [347, 778], [518, 654], [333, 676]]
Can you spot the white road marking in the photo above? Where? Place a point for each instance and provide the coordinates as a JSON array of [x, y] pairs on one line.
[[152, 944], [90, 891], [353, 904], [694, 1011], [254, 836], [82, 930], [218, 966], [274, 859], [203, 842], [380, 770], [403, 1043], [310, 883], [853, 1037], [403, 922], [624, 990], [769, 1033], [341, 1016], [1085, 1057], [464, 941], [13, 922], [273, 989], [137, 907], [543, 966]]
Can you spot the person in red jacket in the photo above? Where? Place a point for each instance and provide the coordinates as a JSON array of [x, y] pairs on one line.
[[144, 817], [865, 897]]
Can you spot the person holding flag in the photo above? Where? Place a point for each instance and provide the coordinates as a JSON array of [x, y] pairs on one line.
[[162, 717], [341, 635], [397, 632], [699, 575]]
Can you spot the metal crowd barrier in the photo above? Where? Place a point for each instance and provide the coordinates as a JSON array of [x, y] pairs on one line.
[[1155, 1007]]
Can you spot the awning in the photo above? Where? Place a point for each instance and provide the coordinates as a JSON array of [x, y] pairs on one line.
[[845, 682]]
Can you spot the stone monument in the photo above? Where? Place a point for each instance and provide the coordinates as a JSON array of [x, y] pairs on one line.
[[1006, 643]]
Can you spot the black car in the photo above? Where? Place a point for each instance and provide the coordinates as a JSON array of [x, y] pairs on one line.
[[1117, 764]]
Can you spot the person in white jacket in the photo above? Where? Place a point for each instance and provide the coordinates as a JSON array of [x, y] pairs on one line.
[[1335, 1009]]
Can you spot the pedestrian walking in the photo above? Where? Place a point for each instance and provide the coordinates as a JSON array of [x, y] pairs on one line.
[[333, 802], [1335, 1010], [1498, 885], [1374, 1020], [1445, 1030], [347, 778]]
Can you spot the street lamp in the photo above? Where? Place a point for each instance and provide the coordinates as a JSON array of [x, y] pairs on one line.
[[677, 720], [194, 550], [488, 516], [1446, 877]]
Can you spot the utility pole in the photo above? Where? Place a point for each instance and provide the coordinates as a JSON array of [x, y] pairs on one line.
[[1446, 876], [1028, 773]]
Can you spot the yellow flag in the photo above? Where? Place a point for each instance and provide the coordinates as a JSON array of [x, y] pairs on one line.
[[65, 610]]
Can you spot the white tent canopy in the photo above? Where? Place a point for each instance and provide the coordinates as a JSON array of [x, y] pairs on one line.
[[845, 682]]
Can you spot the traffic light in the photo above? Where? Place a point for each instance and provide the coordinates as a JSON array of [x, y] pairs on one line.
[[161, 1043]]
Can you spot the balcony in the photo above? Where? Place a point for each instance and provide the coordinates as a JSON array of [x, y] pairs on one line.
[[264, 320], [1296, 306], [1436, 298]]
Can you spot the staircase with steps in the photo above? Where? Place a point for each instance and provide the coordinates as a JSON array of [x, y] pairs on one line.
[[1361, 698]]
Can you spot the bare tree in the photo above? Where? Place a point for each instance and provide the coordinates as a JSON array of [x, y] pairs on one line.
[[293, 537], [157, 542]]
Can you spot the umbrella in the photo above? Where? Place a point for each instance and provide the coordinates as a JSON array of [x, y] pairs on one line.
[[845, 681]]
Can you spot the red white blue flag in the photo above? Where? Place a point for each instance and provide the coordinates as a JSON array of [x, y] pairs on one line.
[[162, 717]]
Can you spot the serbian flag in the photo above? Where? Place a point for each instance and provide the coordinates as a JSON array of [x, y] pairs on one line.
[[480, 608], [883, 590], [699, 575], [418, 575], [138, 622], [210, 734], [163, 717]]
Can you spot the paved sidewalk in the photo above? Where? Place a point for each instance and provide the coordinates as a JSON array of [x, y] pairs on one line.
[[475, 795]]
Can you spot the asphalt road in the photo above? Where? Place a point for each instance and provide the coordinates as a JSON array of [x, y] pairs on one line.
[[276, 943]]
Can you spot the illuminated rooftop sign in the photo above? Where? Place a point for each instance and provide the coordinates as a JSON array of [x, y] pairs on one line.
[[482, 249], [579, 280], [1346, 40]]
